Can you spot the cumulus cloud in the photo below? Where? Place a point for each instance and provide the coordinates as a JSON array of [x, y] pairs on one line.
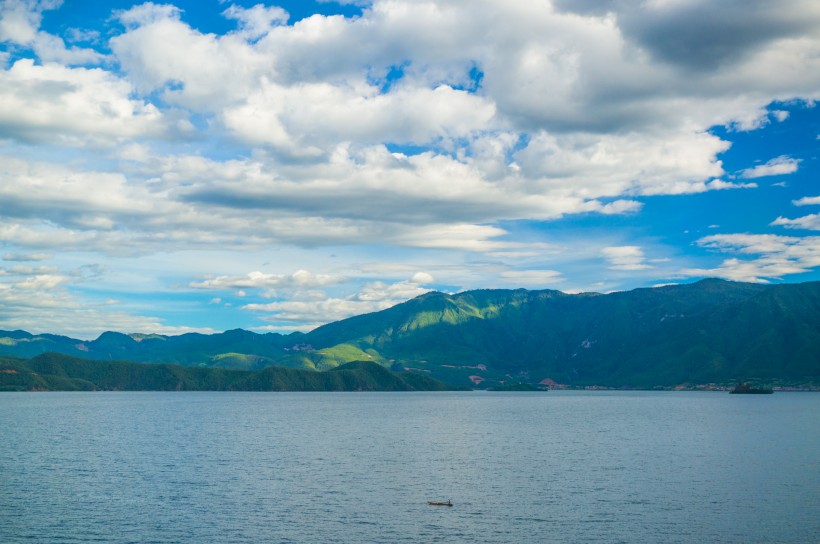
[[613, 165], [590, 143], [317, 82], [286, 118], [51, 103], [256, 21], [20, 19], [19, 25], [703, 36]]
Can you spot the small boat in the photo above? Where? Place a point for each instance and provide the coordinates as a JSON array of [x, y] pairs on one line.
[[437, 503]]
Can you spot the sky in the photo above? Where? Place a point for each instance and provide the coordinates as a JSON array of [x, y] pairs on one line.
[[200, 166]]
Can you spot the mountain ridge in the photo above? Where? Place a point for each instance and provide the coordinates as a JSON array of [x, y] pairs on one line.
[[704, 332]]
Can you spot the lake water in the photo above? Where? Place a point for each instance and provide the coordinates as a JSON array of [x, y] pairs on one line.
[[360, 467]]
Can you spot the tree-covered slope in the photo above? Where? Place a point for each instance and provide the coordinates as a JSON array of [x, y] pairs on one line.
[[710, 331], [58, 372]]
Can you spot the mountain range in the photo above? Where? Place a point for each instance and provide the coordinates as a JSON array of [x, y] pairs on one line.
[[711, 331]]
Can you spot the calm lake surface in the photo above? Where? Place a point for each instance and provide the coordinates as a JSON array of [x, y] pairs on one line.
[[360, 467]]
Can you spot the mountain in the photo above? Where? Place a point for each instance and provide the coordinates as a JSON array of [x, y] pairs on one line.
[[58, 372], [712, 331]]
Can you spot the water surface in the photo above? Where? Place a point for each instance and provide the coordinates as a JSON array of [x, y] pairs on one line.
[[360, 467]]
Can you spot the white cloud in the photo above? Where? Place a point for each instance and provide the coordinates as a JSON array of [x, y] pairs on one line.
[[90, 202], [780, 115], [147, 13], [422, 278], [778, 166], [625, 258], [199, 71], [256, 21], [719, 185], [380, 292], [39, 299], [75, 35], [20, 19], [808, 222], [303, 92], [53, 104], [774, 256], [807, 201], [595, 105], [419, 201], [456, 236], [19, 24], [50, 48], [287, 117], [595, 166], [255, 280], [307, 314]]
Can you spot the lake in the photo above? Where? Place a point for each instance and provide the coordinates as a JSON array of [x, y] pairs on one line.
[[360, 467]]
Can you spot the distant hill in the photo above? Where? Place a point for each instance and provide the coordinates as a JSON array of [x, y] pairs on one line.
[[236, 349], [58, 372], [712, 331]]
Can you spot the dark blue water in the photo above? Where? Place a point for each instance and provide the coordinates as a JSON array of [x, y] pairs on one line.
[[360, 467]]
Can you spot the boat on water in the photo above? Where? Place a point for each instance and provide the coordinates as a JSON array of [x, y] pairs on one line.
[[438, 503], [746, 389]]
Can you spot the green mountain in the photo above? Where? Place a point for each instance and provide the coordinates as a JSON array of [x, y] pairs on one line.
[[58, 372], [712, 331]]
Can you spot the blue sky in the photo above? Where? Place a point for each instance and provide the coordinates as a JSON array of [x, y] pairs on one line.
[[209, 165]]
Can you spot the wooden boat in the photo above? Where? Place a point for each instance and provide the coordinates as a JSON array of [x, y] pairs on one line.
[[437, 503]]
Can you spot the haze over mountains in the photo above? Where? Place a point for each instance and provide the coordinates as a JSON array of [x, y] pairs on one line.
[[712, 331]]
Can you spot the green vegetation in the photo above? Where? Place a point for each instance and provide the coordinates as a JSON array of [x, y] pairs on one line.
[[514, 387], [57, 372], [748, 389], [240, 361]]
